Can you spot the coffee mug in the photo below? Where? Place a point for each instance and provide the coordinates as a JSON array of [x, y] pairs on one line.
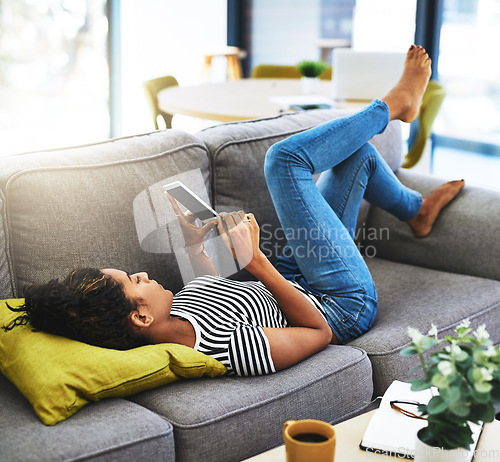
[[309, 441]]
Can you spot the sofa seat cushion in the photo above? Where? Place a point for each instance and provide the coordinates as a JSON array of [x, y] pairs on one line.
[[232, 418], [110, 430], [238, 151], [417, 297]]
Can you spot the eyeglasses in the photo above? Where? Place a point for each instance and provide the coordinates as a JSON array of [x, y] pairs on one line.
[[398, 406]]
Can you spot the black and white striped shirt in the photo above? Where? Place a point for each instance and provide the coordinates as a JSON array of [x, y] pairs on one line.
[[228, 317]]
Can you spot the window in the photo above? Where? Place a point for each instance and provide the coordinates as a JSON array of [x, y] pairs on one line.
[[53, 73], [167, 37], [470, 71]]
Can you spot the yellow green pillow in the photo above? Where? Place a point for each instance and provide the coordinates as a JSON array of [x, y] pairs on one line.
[[59, 376]]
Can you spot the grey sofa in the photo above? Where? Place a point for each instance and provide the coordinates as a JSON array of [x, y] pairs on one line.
[[73, 207]]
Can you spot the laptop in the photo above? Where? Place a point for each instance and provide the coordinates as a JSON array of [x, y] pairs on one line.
[[365, 75]]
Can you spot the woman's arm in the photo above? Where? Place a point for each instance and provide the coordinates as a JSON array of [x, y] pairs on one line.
[[194, 236], [310, 332], [201, 261]]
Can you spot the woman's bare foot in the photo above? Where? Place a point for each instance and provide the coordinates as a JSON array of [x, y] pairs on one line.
[[432, 205], [405, 98]]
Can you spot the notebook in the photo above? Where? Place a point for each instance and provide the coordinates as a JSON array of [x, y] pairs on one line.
[[392, 433], [364, 75]]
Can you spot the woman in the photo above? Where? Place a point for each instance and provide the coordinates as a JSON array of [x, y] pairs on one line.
[[310, 299]]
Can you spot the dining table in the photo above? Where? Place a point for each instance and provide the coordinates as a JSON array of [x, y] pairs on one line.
[[246, 99]]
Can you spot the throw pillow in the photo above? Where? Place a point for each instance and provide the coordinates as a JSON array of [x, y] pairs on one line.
[[59, 376]]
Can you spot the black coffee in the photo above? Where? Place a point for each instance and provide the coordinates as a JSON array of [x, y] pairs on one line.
[[310, 437]]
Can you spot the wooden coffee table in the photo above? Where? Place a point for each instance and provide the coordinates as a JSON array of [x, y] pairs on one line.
[[350, 433]]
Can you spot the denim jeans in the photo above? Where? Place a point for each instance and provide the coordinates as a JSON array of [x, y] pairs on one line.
[[319, 219]]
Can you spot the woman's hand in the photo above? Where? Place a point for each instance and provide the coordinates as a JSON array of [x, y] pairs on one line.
[[193, 234], [240, 233]]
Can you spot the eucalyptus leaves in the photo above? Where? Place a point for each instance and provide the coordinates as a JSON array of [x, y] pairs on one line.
[[466, 372]]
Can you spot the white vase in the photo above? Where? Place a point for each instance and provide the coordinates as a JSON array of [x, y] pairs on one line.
[[426, 453], [309, 85]]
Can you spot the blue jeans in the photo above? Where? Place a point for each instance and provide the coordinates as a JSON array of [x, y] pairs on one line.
[[319, 219]]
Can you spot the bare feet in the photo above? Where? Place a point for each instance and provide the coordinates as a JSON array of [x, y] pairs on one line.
[[432, 205], [405, 98]]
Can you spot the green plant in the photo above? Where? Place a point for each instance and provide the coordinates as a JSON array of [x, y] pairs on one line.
[[311, 68], [466, 373]]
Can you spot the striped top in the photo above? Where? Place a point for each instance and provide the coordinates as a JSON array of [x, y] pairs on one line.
[[228, 317]]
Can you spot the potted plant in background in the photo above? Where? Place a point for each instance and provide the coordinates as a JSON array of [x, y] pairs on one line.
[[466, 374], [310, 71]]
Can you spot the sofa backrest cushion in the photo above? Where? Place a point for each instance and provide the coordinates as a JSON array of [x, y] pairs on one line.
[[74, 207], [5, 280], [237, 152]]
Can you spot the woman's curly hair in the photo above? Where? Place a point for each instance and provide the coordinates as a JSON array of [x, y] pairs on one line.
[[87, 306]]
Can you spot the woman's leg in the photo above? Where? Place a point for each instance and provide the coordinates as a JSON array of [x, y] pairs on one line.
[[366, 175], [318, 242], [320, 252]]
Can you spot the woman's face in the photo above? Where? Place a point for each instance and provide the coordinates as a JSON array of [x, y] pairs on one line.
[[144, 291]]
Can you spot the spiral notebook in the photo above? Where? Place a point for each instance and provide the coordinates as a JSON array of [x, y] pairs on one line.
[[391, 433]]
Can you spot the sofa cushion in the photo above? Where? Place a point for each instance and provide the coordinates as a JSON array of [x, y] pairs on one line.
[[232, 418], [75, 207], [237, 153], [417, 297], [59, 376], [110, 430], [464, 239], [6, 290]]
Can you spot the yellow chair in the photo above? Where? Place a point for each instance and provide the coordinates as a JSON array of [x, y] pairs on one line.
[[431, 103], [277, 71], [152, 87]]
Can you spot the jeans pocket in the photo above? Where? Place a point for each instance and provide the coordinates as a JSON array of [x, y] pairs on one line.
[[344, 318]]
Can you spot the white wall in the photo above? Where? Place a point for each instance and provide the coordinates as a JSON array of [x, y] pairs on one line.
[[384, 25], [165, 37], [297, 24]]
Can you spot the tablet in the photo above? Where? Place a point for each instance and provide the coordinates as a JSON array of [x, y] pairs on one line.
[[197, 206]]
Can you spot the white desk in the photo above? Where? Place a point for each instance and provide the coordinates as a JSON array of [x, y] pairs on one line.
[[236, 100]]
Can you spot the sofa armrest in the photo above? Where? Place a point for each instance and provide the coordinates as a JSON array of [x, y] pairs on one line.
[[464, 239]]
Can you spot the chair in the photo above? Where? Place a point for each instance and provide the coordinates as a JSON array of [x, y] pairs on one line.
[[233, 56], [152, 87], [431, 103], [278, 71]]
